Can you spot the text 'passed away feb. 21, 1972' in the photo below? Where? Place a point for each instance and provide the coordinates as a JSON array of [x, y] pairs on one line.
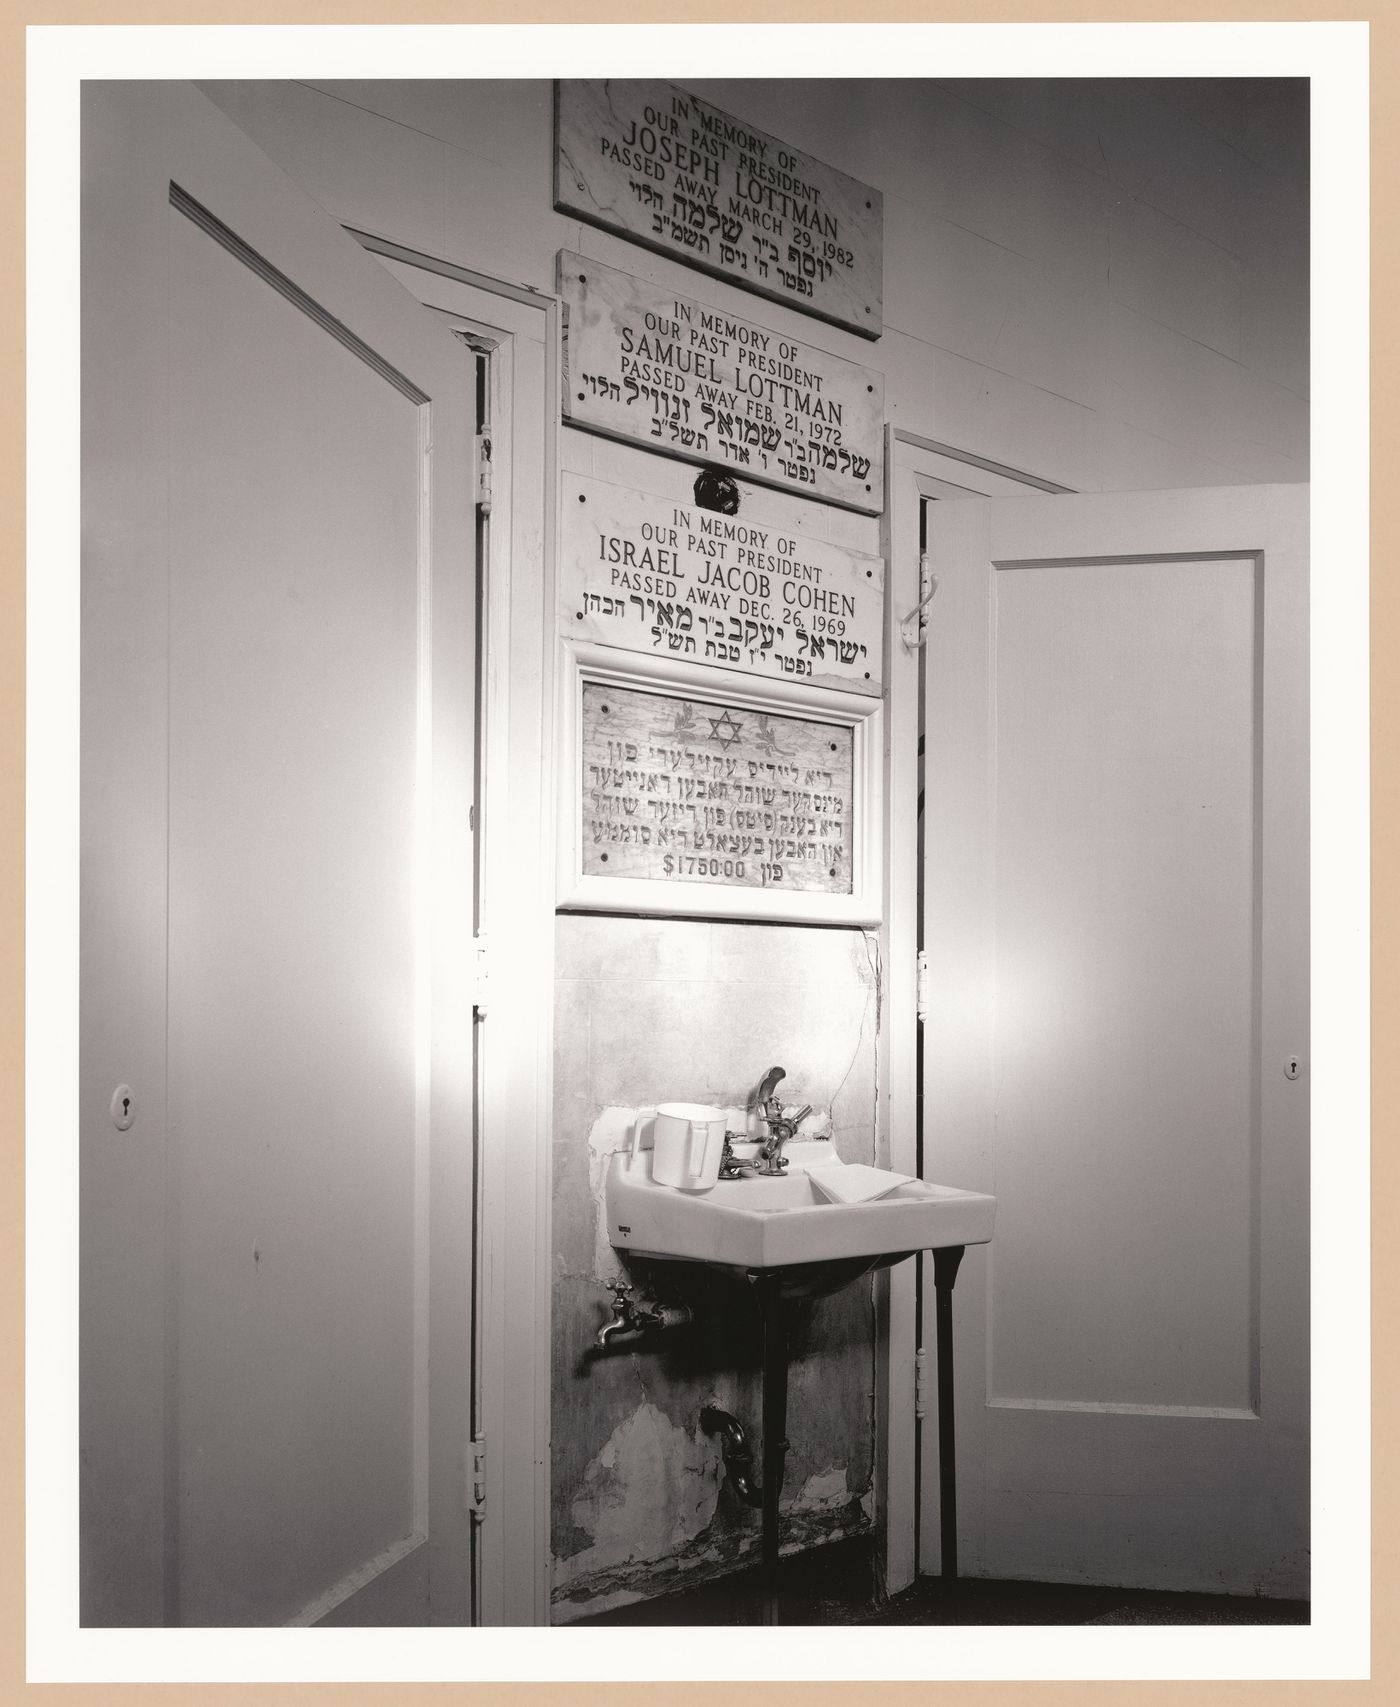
[[693, 381]]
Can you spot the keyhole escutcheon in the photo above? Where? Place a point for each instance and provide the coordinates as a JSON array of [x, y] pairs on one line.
[[123, 1108]]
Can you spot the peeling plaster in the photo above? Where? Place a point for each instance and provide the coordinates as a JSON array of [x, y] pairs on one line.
[[824, 1492], [713, 1554], [650, 1490], [651, 1010]]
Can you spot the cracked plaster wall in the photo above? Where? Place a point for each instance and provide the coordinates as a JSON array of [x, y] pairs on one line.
[[651, 1010]]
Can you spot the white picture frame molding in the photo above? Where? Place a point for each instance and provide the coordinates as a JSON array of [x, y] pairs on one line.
[[583, 664]]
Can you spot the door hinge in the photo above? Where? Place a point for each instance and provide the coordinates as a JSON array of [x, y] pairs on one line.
[[483, 472], [920, 1383], [476, 1500], [921, 984], [480, 973]]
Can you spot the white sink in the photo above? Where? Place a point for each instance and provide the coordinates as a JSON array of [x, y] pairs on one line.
[[761, 1223]]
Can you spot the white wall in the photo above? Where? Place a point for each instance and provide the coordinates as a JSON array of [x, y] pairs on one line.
[[1101, 283]]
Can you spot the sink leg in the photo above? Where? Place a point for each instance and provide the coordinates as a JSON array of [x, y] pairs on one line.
[[945, 1273], [775, 1375]]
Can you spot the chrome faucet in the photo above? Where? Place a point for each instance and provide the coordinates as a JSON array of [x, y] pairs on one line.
[[632, 1317], [629, 1314], [781, 1124]]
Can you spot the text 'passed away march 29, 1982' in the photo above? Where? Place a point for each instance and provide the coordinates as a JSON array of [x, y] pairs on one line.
[[665, 168]]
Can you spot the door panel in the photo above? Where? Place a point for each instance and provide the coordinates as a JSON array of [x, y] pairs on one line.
[[1125, 959], [304, 571], [1116, 926], [293, 727]]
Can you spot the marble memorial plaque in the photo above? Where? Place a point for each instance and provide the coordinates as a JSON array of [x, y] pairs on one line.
[[700, 383], [671, 580], [666, 169], [694, 791]]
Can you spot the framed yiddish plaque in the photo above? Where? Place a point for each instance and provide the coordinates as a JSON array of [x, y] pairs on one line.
[[671, 580], [684, 795], [660, 166], [693, 381]]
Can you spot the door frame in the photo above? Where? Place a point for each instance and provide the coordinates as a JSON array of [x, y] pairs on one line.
[[514, 933], [916, 468]]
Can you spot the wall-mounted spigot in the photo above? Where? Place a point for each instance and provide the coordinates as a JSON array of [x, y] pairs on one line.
[[632, 1316]]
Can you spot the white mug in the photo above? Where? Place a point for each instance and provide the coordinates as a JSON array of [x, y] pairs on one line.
[[687, 1145]]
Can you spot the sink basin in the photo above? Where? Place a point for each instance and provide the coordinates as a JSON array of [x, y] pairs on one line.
[[761, 1223]]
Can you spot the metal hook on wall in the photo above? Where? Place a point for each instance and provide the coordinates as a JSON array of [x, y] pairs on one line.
[[911, 627]]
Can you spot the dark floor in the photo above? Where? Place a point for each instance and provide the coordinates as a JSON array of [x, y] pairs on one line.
[[835, 1585]]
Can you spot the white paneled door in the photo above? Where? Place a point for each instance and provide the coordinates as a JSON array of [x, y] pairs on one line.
[[1116, 920], [277, 772]]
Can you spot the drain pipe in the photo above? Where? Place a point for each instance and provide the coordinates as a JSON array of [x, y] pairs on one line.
[[737, 1453]]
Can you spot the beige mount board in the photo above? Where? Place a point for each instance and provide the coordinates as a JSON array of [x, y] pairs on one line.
[[640, 571], [657, 164], [707, 385]]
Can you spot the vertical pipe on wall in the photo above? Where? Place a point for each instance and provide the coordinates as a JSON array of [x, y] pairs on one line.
[[945, 1272], [774, 1431]]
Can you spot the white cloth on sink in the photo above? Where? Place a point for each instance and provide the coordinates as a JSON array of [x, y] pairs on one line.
[[854, 1182]]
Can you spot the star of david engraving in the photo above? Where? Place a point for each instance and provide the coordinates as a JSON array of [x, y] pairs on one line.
[[732, 730]]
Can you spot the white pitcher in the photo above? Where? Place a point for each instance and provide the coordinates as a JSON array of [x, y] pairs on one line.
[[687, 1145]]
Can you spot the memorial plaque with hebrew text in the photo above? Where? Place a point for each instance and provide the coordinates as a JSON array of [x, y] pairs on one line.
[[664, 168], [693, 791], [692, 381], [671, 580]]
